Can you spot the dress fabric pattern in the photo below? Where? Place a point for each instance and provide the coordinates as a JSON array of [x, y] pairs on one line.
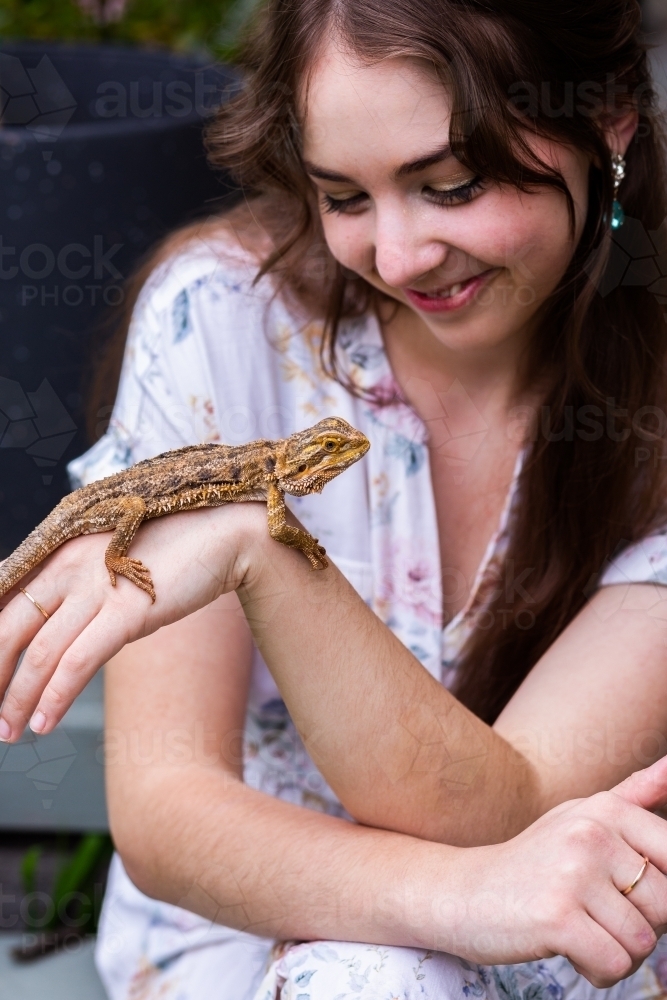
[[213, 357]]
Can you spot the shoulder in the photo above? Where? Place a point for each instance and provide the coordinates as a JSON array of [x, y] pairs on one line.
[[213, 254], [203, 292]]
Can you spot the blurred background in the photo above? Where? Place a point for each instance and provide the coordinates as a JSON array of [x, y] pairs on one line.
[[102, 107]]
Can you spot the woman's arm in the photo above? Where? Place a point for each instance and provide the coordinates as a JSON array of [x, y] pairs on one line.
[[398, 749], [323, 644], [190, 832], [404, 754]]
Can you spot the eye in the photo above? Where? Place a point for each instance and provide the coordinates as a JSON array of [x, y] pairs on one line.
[[302, 468], [331, 204], [455, 195], [329, 445]]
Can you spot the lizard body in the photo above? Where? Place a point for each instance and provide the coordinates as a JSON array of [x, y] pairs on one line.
[[206, 475]]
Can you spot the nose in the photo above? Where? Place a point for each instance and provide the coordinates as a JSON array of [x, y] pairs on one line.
[[405, 250]]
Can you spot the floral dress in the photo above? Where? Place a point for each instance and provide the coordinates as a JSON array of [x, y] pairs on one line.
[[213, 357]]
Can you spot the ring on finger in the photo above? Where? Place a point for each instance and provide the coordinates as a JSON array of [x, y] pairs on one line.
[[628, 889], [36, 603]]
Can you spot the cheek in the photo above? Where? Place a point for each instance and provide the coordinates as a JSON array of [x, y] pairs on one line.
[[528, 235]]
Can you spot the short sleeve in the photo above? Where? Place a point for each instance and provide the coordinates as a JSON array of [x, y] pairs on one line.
[[641, 562], [166, 396]]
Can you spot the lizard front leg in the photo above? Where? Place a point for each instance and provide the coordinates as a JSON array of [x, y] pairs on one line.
[[124, 515], [283, 532]]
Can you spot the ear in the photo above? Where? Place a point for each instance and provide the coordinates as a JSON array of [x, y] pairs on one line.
[[621, 132]]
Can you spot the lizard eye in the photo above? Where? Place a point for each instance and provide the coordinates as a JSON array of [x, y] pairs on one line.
[[302, 468], [330, 445]]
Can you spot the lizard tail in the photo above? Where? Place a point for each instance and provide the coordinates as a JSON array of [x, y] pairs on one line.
[[40, 543]]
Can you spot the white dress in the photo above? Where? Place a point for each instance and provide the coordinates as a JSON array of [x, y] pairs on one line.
[[212, 357]]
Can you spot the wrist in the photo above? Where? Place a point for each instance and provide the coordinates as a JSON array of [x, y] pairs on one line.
[[238, 543], [421, 900], [456, 905]]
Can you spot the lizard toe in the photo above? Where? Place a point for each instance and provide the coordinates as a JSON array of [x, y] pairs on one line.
[[316, 558], [143, 582], [134, 571]]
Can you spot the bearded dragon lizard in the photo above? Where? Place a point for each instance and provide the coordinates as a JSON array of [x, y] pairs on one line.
[[204, 475]]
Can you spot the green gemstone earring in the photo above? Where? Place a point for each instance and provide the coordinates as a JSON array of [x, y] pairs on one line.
[[618, 171]]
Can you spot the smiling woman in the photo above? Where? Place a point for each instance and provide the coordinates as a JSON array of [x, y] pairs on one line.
[[480, 199], [432, 187]]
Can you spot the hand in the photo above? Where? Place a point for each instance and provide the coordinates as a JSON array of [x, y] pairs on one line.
[[193, 558], [558, 885]]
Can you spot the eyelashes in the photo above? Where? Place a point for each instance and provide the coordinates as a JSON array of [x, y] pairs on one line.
[[458, 195], [454, 196], [341, 205]]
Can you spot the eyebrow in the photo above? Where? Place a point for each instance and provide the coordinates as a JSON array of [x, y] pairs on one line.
[[416, 166], [413, 167]]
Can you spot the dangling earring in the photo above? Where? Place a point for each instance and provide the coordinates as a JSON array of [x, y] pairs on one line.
[[618, 171]]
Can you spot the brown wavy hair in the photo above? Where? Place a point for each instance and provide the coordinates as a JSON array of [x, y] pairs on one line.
[[515, 69]]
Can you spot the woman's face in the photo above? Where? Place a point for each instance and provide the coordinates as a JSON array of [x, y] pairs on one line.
[[473, 259]]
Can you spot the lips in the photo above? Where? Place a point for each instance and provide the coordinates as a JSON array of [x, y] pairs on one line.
[[454, 297]]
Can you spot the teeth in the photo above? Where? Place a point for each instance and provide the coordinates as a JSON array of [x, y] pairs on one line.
[[448, 293]]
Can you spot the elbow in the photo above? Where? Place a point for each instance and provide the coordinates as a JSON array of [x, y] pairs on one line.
[[133, 847], [135, 825]]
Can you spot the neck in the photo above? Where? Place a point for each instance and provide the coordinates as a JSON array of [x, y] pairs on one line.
[[490, 375]]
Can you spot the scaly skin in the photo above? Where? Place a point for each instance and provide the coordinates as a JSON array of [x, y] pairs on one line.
[[206, 475]]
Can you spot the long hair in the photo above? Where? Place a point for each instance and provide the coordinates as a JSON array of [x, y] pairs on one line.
[[516, 70]]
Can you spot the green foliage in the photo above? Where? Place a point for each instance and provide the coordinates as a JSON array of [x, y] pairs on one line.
[[209, 26], [75, 901], [77, 876], [29, 864]]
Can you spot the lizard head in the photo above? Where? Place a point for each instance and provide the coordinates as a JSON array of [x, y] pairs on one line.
[[307, 460]]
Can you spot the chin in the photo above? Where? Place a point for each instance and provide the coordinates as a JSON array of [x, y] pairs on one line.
[[466, 339]]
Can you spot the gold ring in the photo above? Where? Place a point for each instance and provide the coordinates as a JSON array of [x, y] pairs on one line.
[[626, 892], [36, 603]]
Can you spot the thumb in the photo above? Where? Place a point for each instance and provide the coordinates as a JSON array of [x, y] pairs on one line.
[[647, 788]]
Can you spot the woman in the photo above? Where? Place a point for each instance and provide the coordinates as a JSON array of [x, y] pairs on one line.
[[435, 185]]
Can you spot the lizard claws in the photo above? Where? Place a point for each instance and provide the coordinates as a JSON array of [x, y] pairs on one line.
[[134, 571], [316, 557]]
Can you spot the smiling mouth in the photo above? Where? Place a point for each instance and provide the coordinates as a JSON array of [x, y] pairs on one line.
[[453, 290], [455, 296]]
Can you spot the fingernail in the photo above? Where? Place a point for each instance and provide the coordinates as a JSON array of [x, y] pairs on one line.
[[5, 730], [38, 722]]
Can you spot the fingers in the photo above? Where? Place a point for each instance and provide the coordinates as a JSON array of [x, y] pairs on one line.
[[594, 952], [96, 642], [20, 621], [48, 645], [647, 788], [617, 915], [646, 834], [649, 895]]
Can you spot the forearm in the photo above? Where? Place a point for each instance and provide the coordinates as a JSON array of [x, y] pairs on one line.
[[399, 750], [243, 859]]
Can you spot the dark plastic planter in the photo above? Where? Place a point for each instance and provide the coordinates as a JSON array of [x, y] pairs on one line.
[[100, 154]]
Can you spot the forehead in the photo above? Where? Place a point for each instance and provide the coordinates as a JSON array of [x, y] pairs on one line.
[[394, 108]]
